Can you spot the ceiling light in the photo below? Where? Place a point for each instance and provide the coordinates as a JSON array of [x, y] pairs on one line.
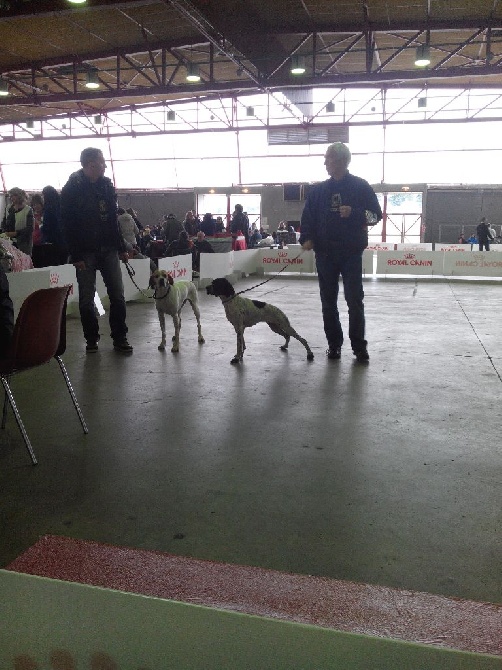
[[297, 64], [30, 123], [77, 2], [193, 73], [171, 115], [423, 55], [422, 102], [330, 107], [98, 120], [92, 79], [4, 87], [249, 111]]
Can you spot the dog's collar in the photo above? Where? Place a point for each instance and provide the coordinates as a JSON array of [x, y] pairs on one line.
[[161, 297]]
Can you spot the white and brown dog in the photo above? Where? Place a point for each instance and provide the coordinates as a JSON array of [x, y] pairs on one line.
[[170, 298], [243, 313]]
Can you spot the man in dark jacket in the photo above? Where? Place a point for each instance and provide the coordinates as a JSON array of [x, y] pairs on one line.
[[240, 222], [335, 224], [6, 313], [89, 216], [484, 235]]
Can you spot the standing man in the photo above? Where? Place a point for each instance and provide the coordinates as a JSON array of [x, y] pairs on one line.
[[484, 234], [89, 216], [335, 224]]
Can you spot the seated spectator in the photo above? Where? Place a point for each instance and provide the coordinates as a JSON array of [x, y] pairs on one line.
[[220, 226], [145, 239], [52, 230], [461, 239], [128, 228], [183, 245], [208, 225], [37, 206], [255, 238], [6, 314], [201, 246], [19, 221]]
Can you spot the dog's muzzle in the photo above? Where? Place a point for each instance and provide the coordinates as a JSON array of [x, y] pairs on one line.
[[210, 289]]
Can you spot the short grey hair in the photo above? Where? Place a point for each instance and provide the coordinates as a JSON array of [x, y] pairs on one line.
[[341, 149], [90, 154]]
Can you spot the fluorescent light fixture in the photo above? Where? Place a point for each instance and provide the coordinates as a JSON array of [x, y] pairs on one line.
[[92, 79], [423, 55], [77, 2], [98, 119], [330, 107], [4, 87], [30, 123], [249, 111], [171, 115], [297, 64], [193, 74], [422, 102]]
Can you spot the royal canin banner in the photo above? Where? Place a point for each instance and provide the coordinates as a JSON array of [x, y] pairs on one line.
[[409, 262], [473, 264], [296, 260], [179, 267]]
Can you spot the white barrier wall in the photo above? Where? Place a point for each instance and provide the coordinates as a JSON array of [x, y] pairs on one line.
[[21, 284], [368, 261], [409, 262], [452, 247], [50, 623], [380, 246], [473, 264], [246, 261], [216, 265]]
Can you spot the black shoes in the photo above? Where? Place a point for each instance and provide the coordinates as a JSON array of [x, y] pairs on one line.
[[362, 355], [91, 348], [334, 353], [122, 346]]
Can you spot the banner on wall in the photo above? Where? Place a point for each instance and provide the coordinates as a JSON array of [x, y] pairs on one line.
[[296, 260], [179, 267], [452, 247], [409, 262], [473, 264], [414, 246], [380, 246]]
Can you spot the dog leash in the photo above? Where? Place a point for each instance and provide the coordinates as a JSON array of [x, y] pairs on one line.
[[131, 272], [266, 280]]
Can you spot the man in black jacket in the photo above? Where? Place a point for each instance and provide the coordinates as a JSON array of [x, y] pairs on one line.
[[335, 224], [89, 216]]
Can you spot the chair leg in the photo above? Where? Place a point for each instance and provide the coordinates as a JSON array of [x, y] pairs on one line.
[[27, 442], [72, 393]]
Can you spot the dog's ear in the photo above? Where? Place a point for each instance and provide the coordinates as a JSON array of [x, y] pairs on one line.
[[170, 278]]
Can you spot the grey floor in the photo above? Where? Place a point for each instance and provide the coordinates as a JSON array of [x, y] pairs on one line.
[[387, 474]]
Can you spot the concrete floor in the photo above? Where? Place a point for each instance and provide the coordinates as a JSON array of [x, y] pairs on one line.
[[386, 474]]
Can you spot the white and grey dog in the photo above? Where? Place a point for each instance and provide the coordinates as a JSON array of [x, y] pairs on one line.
[[243, 313], [170, 298]]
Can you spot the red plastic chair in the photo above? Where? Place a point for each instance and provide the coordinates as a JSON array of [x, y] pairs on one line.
[[39, 335]]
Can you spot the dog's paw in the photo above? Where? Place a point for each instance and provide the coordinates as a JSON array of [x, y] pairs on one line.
[[310, 356], [161, 347], [283, 347], [235, 361], [175, 350], [201, 340]]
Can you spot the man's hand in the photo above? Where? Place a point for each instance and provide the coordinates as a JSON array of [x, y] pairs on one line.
[[79, 265], [307, 245], [345, 211], [124, 256]]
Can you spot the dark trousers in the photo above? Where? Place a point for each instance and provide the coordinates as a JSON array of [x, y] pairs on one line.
[[329, 268], [485, 245], [107, 262]]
